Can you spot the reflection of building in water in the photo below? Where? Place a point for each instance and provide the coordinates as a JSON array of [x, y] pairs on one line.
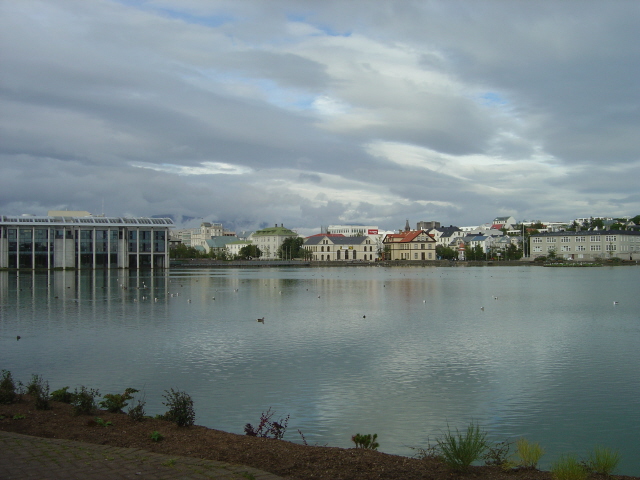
[[59, 241]]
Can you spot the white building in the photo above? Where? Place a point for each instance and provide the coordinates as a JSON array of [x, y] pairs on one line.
[[269, 240], [587, 245]]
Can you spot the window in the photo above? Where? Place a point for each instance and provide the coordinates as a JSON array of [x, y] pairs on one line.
[[537, 240], [537, 249], [580, 248], [610, 247], [551, 240], [581, 239], [594, 238], [565, 248], [595, 248], [611, 238], [565, 240]]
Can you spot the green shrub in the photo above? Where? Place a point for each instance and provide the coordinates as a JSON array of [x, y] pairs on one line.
[[459, 450], [115, 402], [156, 436], [568, 467], [136, 413], [366, 441], [180, 408], [62, 395], [528, 454], [102, 423], [603, 460], [38, 388], [7, 388], [83, 401]]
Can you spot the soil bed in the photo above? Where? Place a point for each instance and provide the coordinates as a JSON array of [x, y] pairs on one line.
[[289, 460]]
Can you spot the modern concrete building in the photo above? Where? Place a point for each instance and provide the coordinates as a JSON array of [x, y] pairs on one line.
[[587, 245], [64, 241]]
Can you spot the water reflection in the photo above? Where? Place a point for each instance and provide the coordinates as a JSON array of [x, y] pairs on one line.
[[399, 352]]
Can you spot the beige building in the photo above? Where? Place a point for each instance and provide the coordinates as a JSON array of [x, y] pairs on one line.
[[331, 247], [410, 245]]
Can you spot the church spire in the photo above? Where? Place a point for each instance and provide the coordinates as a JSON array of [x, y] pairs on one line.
[[407, 227]]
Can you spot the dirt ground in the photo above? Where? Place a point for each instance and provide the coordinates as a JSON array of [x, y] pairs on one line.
[[283, 458]]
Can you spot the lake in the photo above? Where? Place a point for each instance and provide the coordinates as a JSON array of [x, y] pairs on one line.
[[403, 352]]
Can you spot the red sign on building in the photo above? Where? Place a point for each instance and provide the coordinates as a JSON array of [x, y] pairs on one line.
[[372, 232]]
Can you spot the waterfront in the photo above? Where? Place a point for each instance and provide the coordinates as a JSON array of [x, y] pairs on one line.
[[396, 351]]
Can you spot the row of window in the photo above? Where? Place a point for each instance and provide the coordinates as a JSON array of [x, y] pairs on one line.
[[592, 238]]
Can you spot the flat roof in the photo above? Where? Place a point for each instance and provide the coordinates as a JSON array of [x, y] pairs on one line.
[[82, 221]]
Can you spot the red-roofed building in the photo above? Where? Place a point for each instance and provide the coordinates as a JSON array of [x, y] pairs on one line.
[[410, 245]]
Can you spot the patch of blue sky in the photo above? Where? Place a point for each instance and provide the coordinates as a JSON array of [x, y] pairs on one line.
[[325, 29], [493, 99], [207, 20], [280, 96]]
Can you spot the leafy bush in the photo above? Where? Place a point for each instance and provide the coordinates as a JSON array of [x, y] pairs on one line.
[[83, 401], [268, 428], [461, 450], [62, 395], [366, 441], [568, 467], [156, 436], [102, 423], [528, 454], [115, 402], [38, 388], [603, 460], [7, 388], [180, 408]]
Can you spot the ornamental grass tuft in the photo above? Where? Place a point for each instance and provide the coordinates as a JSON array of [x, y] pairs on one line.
[[568, 467], [460, 450], [603, 460], [528, 454]]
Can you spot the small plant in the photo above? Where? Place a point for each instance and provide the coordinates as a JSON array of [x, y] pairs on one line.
[[115, 402], [83, 401], [7, 388], [459, 450], [603, 460], [567, 467], [367, 441], [169, 463], [528, 454], [136, 413], [180, 408], [62, 395], [156, 436], [268, 428], [102, 423], [19, 416], [38, 388], [497, 454]]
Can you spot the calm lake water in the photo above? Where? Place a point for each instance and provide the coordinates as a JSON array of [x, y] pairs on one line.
[[401, 352]]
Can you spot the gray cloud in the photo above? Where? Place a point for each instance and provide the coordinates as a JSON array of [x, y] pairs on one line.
[[310, 113]]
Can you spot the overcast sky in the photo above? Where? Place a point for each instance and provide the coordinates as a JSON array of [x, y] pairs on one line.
[[310, 113]]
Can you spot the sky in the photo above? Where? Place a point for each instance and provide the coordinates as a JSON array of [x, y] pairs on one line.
[[307, 113]]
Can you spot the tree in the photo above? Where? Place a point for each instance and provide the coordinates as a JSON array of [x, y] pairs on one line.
[[474, 253], [249, 251], [446, 253], [292, 248], [182, 251]]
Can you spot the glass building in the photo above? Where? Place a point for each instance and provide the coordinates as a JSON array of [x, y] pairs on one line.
[[33, 242]]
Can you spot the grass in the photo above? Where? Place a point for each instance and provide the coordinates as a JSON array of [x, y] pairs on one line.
[[568, 467], [528, 454], [603, 460], [460, 450]]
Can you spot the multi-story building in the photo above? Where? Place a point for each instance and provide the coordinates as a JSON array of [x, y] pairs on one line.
[[352, 230], [269, 240], [67, 241], [410, 245], [328, 247], [587, 245]]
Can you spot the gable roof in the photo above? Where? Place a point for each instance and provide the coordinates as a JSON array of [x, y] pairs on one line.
[[406, 237], [335, 239]]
